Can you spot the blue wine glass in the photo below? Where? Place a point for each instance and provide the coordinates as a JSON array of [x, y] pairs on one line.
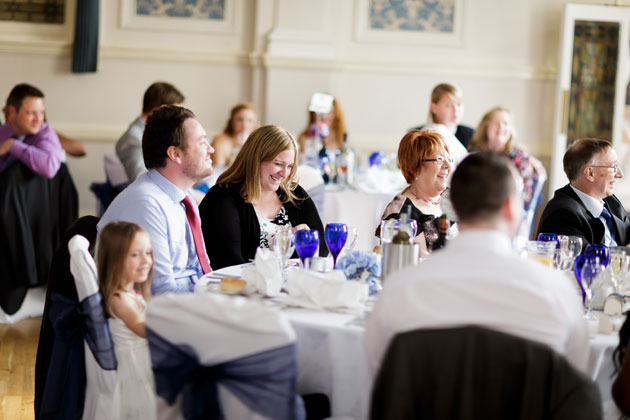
[[306, 242], [590, 271], [598, 250], [578, 264], [335, 235], [548, 237]]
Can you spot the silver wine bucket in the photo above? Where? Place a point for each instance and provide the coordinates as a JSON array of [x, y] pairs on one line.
[[398, 256]]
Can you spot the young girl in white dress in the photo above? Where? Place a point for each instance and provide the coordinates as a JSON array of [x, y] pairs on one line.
[[124, 259]]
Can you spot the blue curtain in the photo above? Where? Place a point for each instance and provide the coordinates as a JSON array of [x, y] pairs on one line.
[[85, 48]]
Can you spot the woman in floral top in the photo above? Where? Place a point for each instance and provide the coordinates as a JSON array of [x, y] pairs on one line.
[[496, 132]]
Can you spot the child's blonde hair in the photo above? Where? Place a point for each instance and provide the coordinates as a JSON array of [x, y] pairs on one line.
[[111, 252]]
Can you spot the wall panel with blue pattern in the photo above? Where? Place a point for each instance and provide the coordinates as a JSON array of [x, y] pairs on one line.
[[195, 9], [412, 15]]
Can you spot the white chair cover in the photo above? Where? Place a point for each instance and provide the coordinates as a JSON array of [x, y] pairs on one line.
[[218, 329], [100, 384]]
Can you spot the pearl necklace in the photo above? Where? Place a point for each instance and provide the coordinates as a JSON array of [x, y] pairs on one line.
[[426, 200]]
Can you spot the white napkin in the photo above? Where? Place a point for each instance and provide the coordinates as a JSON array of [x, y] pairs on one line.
[[265, 274], [329, 290]]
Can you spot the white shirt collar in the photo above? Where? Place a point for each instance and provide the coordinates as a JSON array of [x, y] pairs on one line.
[[593, 205]]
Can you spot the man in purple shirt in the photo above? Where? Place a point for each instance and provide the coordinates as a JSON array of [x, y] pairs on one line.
[[25, 136]]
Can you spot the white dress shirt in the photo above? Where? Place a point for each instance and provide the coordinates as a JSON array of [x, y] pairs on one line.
[[478, 280], [595, 207], [154, 203]]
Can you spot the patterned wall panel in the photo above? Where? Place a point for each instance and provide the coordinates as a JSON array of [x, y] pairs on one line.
[[195, 9], [412, 15], [34, 11], [593, 74]]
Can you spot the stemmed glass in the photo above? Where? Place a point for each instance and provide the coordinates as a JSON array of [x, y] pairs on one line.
[[619, 262], [335, 235], [283, 246], [597, 250], [570, 247], [591, 269], [306, 242], [547, 237]]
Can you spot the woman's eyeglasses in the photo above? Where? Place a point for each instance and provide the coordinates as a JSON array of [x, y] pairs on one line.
[[440, 160]]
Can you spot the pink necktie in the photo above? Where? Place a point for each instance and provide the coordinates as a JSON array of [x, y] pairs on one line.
[[195, 227]]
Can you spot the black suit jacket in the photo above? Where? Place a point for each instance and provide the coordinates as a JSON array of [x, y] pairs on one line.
[[565, 214]]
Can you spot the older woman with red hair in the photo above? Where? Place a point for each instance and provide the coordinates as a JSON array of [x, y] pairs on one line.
[[426, 164]]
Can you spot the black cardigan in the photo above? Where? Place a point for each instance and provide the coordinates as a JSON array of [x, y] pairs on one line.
[[231, 230]]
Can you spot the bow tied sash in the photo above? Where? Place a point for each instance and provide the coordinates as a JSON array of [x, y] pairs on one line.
[[264, 382]]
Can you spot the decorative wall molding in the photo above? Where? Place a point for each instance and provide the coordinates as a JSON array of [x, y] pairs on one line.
[[240, 58], [364, 31], [130, 20]]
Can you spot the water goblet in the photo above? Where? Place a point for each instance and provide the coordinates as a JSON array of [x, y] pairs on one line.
[[591, 269], [283, 246], [335, 235], [306, 243], [597, 250], [570, 247]]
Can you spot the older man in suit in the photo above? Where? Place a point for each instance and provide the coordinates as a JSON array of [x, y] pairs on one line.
[[587, 207]]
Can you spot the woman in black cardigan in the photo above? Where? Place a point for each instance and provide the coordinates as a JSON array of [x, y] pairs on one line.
[[254, 197]]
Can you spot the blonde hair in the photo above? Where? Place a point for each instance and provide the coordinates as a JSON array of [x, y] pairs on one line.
[[479, 139], [338, 125], [439, 92], [416, 146], [229, 128], [111, 252], [263, 145]]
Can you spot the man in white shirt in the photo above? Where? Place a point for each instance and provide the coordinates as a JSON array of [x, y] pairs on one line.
[[586, 207], [477, 279]]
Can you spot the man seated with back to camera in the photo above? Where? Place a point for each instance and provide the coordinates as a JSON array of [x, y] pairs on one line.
[[587, 207], [477, 279], [177, 153]]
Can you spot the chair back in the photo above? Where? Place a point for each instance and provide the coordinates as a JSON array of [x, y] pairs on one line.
[[59, 366], [525, 228], [100, 361], [311, 180], [476, 373], [214, 354]]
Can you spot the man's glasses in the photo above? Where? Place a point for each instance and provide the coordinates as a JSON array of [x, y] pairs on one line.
[[440, 160], [614, 167]]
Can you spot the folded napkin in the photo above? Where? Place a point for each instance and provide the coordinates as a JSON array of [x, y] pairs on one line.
[[329, 290], [265, 274]]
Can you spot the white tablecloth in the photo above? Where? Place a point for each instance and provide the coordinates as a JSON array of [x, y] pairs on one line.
[[331, 358], [357, 209]]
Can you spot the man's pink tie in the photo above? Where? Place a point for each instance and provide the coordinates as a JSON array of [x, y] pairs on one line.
[[195, 227]]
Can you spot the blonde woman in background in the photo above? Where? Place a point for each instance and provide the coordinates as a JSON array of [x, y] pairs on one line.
[[445, 113], [496, 132]]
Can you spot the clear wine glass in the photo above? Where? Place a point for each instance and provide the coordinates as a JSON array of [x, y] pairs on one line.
[[570, 248], [591, 269], [335, 235], [618, 264], [306, 243], [283, 246]]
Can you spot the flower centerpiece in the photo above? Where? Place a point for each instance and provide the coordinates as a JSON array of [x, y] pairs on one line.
[[362, 266]]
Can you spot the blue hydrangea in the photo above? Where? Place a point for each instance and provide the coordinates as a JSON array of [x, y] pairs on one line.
[[361, 265]]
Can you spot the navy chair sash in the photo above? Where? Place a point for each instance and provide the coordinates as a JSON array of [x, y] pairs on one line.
[[264, 382], [87, 319]]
